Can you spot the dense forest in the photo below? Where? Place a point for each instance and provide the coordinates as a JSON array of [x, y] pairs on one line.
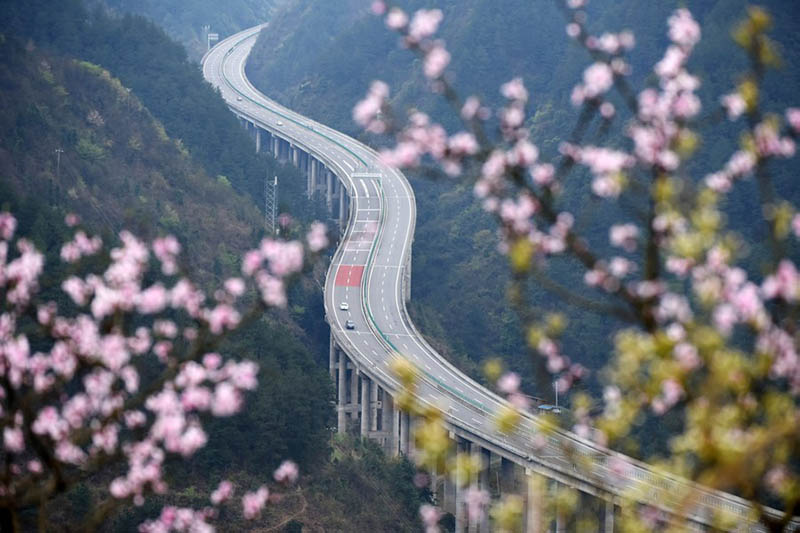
[[103, 115], [185, 20], [327, 55]]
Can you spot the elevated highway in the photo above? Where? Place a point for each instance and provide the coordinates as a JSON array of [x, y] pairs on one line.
[[368, 284]]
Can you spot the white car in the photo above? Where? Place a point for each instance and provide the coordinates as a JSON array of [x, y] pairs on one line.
[[350, 324], [238, 98], [280, 123], [344, 306]]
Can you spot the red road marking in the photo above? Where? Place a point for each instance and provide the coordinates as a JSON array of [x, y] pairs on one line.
[[349, 275]]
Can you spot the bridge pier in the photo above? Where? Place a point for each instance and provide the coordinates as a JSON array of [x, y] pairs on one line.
[[483, 484], [258, 139], [341, 421], [332, 358], [608, 522], [365, 407], [329, 192], [342, 209], [312, 186]]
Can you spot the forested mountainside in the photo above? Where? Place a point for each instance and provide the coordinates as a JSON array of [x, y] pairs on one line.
[[145, 144], [184, 20], [491, 42]]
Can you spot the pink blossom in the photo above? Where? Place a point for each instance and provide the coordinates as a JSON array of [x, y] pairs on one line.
[[251, 262], [317, 237], [253, 502], [687, 356], [273, 292], [785, 283], [367, 112], [235, 286], [463, 143], [796, 225], [543, 174], [597, 79], [166, 250], [13, 439], [152, 300], [430, 517], [672, 63], [222, 493], [378, 7], [7, 225], [476, 500], [424, 24], [683, 29], [396, 19], [222, 317], [470, 108], [573, 30], [792, 117], [624, 236], [436, 60], [72, 220], [286, 473], [227, 400], [508, 383], [734, 104], [515, 90]]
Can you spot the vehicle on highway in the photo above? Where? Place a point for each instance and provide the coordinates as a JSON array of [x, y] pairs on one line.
[[344, 306], [280, 123], [350, 324], [238, 98], [546, 408]]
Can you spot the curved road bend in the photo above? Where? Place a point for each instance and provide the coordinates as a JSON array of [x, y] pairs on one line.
[[367, 272]]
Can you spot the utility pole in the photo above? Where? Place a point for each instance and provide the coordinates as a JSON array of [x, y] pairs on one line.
[[555, 386], [59, 151], [210, 37], [271, 205]]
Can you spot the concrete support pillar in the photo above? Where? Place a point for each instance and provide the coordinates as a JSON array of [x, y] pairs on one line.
[[461, 446], [506, 477], [559, 512], [388, 420], [314, 170], [609, 518], [341, 426], [473, 449], [534, 509], [365, 411], [329, 193], [295, 156], [395, 430], [404, 423], [353, 393], [258, 139], [483, 484], [275, 146], [373, 410], [332, 357], [342, 208]]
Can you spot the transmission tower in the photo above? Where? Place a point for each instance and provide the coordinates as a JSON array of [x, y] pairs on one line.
[[271, 205]]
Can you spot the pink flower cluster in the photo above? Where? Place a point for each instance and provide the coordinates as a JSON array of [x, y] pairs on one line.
[[83, 387], [418, 35], [368, 112]]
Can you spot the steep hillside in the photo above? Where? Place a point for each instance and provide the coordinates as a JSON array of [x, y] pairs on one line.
[[119, 165], [184, 20]]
